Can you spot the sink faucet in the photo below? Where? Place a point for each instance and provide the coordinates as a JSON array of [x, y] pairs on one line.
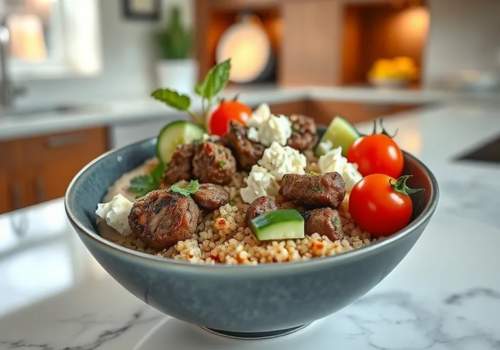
[[8, 91]]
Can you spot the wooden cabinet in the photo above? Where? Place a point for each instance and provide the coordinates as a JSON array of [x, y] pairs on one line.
[[310, 54], [5, 198], [37, 169]]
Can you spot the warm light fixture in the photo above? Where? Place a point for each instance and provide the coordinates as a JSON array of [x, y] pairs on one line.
[[416, 19], [26, 35], [249, 48]]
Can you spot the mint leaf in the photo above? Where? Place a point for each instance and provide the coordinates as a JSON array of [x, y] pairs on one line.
[[191, 188], [172, 98], [215, 80], [142, 185]]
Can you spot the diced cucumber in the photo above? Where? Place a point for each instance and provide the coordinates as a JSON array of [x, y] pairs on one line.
[[174, 134], [278, 224], [340, 133]]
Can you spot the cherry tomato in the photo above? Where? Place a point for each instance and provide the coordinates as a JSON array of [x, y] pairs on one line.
[[218, 123], [381, 204], [376, 154]]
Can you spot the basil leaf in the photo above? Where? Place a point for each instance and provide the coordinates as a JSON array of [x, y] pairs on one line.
[[191, 188], [172, 98], [215, 80]]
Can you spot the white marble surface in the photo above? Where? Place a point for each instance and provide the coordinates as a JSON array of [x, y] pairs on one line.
[[146, 109], [444, 295]]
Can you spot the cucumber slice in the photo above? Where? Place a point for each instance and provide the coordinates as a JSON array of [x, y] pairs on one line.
[[174, 134], [278, 224], [340, 133]]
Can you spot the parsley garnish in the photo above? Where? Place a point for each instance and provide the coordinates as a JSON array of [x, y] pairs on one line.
[[191, 188], [221, 164], [142, 185]]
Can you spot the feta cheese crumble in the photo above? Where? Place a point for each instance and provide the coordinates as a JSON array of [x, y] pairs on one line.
[[275, 129], [267, 128], [276, 162], [115, 213], [260, 182], [281, 160], [324, 147], [259, 116], [334, 161]]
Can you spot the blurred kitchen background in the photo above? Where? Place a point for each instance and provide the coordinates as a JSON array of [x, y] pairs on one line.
[[75, 79], [76, 74]]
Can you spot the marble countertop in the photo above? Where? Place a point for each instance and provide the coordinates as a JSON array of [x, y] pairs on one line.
[[444, 295], [143, 109]]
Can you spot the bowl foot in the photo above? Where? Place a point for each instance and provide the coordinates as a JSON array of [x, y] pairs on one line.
[[255, 335]]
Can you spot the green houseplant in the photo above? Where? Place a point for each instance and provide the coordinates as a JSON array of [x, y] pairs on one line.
[[175, 67]]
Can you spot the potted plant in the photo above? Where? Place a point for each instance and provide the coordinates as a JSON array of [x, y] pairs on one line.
[[175, 68]]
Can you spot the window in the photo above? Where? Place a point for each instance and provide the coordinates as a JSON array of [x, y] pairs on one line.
[[53, 38]]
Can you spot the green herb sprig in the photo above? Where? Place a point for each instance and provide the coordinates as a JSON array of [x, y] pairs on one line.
[[142, 185], [213, 83], [208, 89], [186, 190]]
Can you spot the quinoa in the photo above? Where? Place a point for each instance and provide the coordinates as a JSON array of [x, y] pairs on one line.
[[222, 236]]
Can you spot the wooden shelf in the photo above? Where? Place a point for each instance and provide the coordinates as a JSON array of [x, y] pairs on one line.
[[380, 30]]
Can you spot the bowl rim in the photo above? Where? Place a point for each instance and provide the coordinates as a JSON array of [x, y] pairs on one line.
[[340, 258]]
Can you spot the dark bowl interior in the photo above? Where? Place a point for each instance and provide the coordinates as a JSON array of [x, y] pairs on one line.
[[247, 299]]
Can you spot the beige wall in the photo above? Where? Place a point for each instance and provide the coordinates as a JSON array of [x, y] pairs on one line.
[[464, 34]]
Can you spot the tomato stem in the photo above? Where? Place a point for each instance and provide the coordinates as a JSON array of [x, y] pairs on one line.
[[384, 131], [400, 186]]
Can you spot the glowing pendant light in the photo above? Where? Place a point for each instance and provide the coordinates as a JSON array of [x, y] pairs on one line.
[[249, 48]]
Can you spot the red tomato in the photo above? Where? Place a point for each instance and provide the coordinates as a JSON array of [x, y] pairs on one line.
[[376, 154], [380, 204], [218, 123]]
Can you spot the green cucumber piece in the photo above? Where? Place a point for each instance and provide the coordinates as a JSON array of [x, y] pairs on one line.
[[174, 134], [340, 133], [278, 224]]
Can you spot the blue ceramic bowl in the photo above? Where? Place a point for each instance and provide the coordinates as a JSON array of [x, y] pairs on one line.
[[246, 301]]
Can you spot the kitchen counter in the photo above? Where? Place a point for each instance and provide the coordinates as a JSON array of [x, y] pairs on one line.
[[444, 295], [146, 109]]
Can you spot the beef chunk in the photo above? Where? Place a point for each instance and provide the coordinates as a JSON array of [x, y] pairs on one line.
[[303, 132], [210, 196], [213, 163], [260, 206], [314, 190], [163, 218], [180, 166], [247, 152], [325, 221]]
